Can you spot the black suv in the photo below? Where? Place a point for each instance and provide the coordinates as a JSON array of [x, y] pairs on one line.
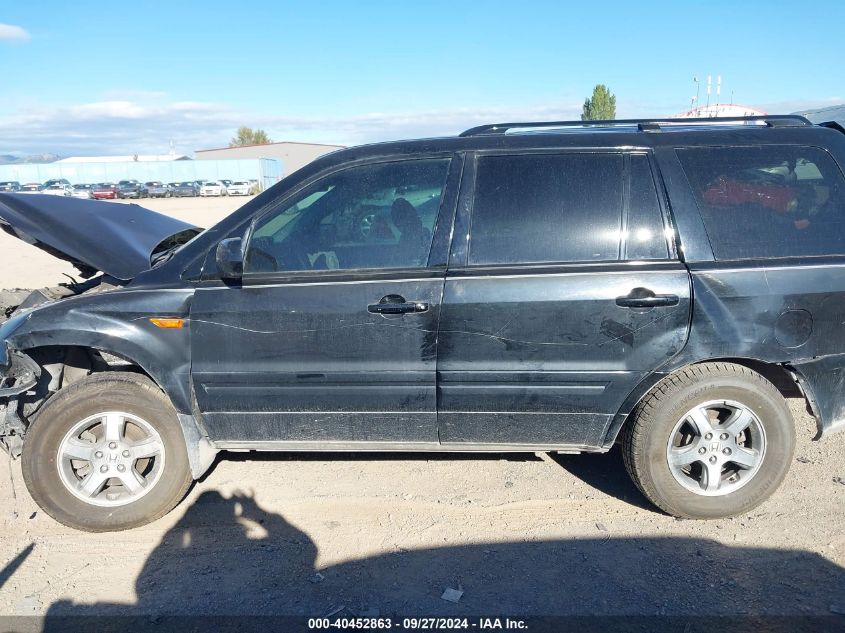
[[523, 287]]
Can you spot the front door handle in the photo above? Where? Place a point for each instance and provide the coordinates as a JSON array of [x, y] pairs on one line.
[[396, 304], [645, 298]]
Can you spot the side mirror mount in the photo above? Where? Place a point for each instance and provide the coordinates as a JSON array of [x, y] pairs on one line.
[[230, 258]]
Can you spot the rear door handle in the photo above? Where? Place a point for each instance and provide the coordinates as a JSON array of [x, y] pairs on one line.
[[396, 304], [645, 298]]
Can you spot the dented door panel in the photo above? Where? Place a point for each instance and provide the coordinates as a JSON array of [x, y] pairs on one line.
[[789, 313], [549, 358], [309, 362]]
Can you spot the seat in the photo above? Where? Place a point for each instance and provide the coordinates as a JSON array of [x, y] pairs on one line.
[[414, 238]]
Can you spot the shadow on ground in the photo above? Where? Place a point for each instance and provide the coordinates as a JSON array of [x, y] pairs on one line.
[[605, 472], [229, 556]]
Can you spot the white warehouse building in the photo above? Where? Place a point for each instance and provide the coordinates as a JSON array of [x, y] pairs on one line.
[[292, 155]]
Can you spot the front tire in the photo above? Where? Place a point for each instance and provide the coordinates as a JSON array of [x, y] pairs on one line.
[[710, 441], [106, 454]]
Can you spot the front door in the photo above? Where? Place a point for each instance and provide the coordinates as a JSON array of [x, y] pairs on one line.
[[561, 298], [331, 336]]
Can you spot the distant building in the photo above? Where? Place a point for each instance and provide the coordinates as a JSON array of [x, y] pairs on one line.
[[720, 110], [133, 158], [292, 155], [822, 115]]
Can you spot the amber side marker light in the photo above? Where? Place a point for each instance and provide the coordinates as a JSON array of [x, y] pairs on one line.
[[168, 324]]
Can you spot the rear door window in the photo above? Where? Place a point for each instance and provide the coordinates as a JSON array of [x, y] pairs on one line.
[[535, 208], [768, 201]]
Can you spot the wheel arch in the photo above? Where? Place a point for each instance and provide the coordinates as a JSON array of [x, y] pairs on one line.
[[70, 359], [130, 357], [787, 381]]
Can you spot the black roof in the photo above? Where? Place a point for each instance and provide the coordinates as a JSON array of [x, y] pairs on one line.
[[694, 132], [630, 134]]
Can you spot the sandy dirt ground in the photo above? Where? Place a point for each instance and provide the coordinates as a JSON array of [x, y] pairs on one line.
[[387, 534]]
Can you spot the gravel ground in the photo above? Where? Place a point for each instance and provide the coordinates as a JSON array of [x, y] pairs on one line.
[[527, 534]]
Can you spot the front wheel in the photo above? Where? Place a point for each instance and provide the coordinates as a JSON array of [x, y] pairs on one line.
[[710, 441], [106, 453]]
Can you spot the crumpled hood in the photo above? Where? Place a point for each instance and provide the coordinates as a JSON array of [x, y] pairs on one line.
[[117, 239]]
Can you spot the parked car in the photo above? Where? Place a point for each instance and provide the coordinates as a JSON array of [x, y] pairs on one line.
[[11, 186], [186, 189], [472, 293], [105, 191], [131, 189], [239, 188], [157, 189], [214, 188], [56, 181], [58, 189], [31, 187], [82, 191]]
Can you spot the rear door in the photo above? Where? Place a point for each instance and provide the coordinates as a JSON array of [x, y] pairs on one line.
[[563, 293]]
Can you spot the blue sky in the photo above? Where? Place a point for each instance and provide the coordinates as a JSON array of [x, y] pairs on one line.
[[114, 77]]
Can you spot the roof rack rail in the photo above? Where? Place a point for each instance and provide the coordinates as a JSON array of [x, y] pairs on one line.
[[644, 125]]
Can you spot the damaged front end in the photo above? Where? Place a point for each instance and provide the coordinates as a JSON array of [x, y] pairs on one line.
[[18, 375]]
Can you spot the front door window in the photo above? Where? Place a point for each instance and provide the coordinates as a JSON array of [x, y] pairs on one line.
[[369, 217]]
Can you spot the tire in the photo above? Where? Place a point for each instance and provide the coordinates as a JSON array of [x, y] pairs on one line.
[[691, 416], [147, 415]]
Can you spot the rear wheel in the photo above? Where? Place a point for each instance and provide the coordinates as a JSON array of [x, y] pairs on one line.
[[710, 441], [106, 453]]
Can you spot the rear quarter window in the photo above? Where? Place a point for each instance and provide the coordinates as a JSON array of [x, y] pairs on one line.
[[768, 201]]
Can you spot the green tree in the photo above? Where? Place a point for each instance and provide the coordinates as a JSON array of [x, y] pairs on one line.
[[601, 106], [248, 136]]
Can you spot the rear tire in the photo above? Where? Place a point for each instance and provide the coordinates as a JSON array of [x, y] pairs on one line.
[[115, 428], [710, 441]]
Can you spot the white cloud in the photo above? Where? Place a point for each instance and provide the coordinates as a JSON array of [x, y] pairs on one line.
[[127, 126], [147, 123], [12, 33]]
